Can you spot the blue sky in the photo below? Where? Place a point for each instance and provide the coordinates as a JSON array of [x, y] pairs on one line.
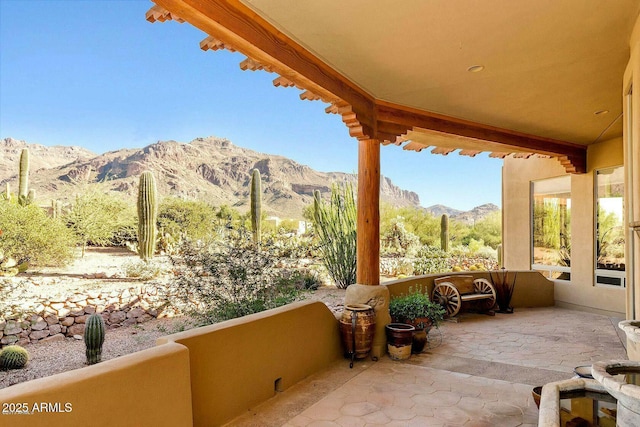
[[98, 75]]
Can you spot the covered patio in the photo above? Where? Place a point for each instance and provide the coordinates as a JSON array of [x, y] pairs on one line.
[[480, 375]]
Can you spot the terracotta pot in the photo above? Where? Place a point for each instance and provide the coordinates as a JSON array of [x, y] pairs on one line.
[[357, 325], [419, 341], [399, 340]]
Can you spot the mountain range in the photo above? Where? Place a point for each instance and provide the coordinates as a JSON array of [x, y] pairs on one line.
[[210, 169]]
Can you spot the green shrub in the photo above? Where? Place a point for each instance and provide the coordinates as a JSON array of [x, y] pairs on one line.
[[96, 218], [431, 260], [30, 235], [415, 305], [227, 279], [193, 219]]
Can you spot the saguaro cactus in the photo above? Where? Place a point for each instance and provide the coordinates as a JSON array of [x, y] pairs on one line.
[[147, 213], [23, 183], [256, 205], [94, 338], [444, 232], [13, 357]]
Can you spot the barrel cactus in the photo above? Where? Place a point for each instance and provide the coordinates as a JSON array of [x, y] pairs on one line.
[[94, 338], [13, 357], [256, 205], [444, 232], [147, 214], [23, 183]]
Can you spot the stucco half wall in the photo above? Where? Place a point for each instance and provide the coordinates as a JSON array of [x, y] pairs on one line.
[[147, 388], [238, 364], [580, 292], [531, 288]]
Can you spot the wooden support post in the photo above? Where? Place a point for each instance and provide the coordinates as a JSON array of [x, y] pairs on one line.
[[368, 253]]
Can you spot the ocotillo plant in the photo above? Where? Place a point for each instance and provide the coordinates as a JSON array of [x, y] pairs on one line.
[[94, 338], [147, 213], [335, 224], [13, 357], [23, 183], [444, 232], [256, 206]]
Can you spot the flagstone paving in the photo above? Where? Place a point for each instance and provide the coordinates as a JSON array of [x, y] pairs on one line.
[[480, 375]]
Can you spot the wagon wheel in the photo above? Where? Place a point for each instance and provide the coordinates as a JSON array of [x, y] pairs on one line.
[[482, 286], [448, 297]]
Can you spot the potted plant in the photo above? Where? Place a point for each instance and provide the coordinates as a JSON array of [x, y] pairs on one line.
[[416, 309]]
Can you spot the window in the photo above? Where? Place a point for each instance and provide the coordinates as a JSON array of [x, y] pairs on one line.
[[609, 233], [551, 222]]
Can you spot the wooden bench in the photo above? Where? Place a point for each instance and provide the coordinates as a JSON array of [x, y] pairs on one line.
[[451, 291]]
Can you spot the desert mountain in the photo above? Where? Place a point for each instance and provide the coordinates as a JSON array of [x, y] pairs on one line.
[[467, 217], [210, 169]]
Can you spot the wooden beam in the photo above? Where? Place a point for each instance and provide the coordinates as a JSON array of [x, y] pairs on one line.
[[368, 250], [235, 24], [575, 154]]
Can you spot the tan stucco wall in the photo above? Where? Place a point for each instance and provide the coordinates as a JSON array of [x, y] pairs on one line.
[[531, 288], [147, 388], [235, 364], [580, 292], [631, 130]]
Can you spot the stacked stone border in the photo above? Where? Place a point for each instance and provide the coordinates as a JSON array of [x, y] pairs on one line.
[[56, 319]]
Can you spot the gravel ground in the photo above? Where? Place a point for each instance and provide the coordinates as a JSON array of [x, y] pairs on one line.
[[51, 358]]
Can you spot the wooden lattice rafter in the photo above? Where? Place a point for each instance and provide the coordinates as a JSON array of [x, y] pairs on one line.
[[233, 24], [160, 14], [212, 43]]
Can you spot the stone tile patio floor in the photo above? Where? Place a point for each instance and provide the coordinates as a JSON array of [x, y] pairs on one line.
[[480, 375]]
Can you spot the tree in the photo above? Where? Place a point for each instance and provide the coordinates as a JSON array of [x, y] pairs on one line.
[[192, 218], [96, 217]]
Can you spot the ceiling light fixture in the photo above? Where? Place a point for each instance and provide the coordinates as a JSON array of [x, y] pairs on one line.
[[475, 68], [601, 112]]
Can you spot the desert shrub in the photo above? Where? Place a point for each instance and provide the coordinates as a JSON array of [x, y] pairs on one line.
[[96, 217], [226, 279], [191, 218], [145, 270], [29, 234], [305, 279], [429, 260], [398, 241], [335, 226], [286, 245]]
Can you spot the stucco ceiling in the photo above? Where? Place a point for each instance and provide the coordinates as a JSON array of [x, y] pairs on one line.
[[549, 65]]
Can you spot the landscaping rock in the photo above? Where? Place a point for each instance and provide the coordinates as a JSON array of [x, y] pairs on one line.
[[67, 321], [38, 335], [38, 326], [55, 329], [51, 320], [117, 317], [81, 319], [76, 329], [9, 339], [54, 338]]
